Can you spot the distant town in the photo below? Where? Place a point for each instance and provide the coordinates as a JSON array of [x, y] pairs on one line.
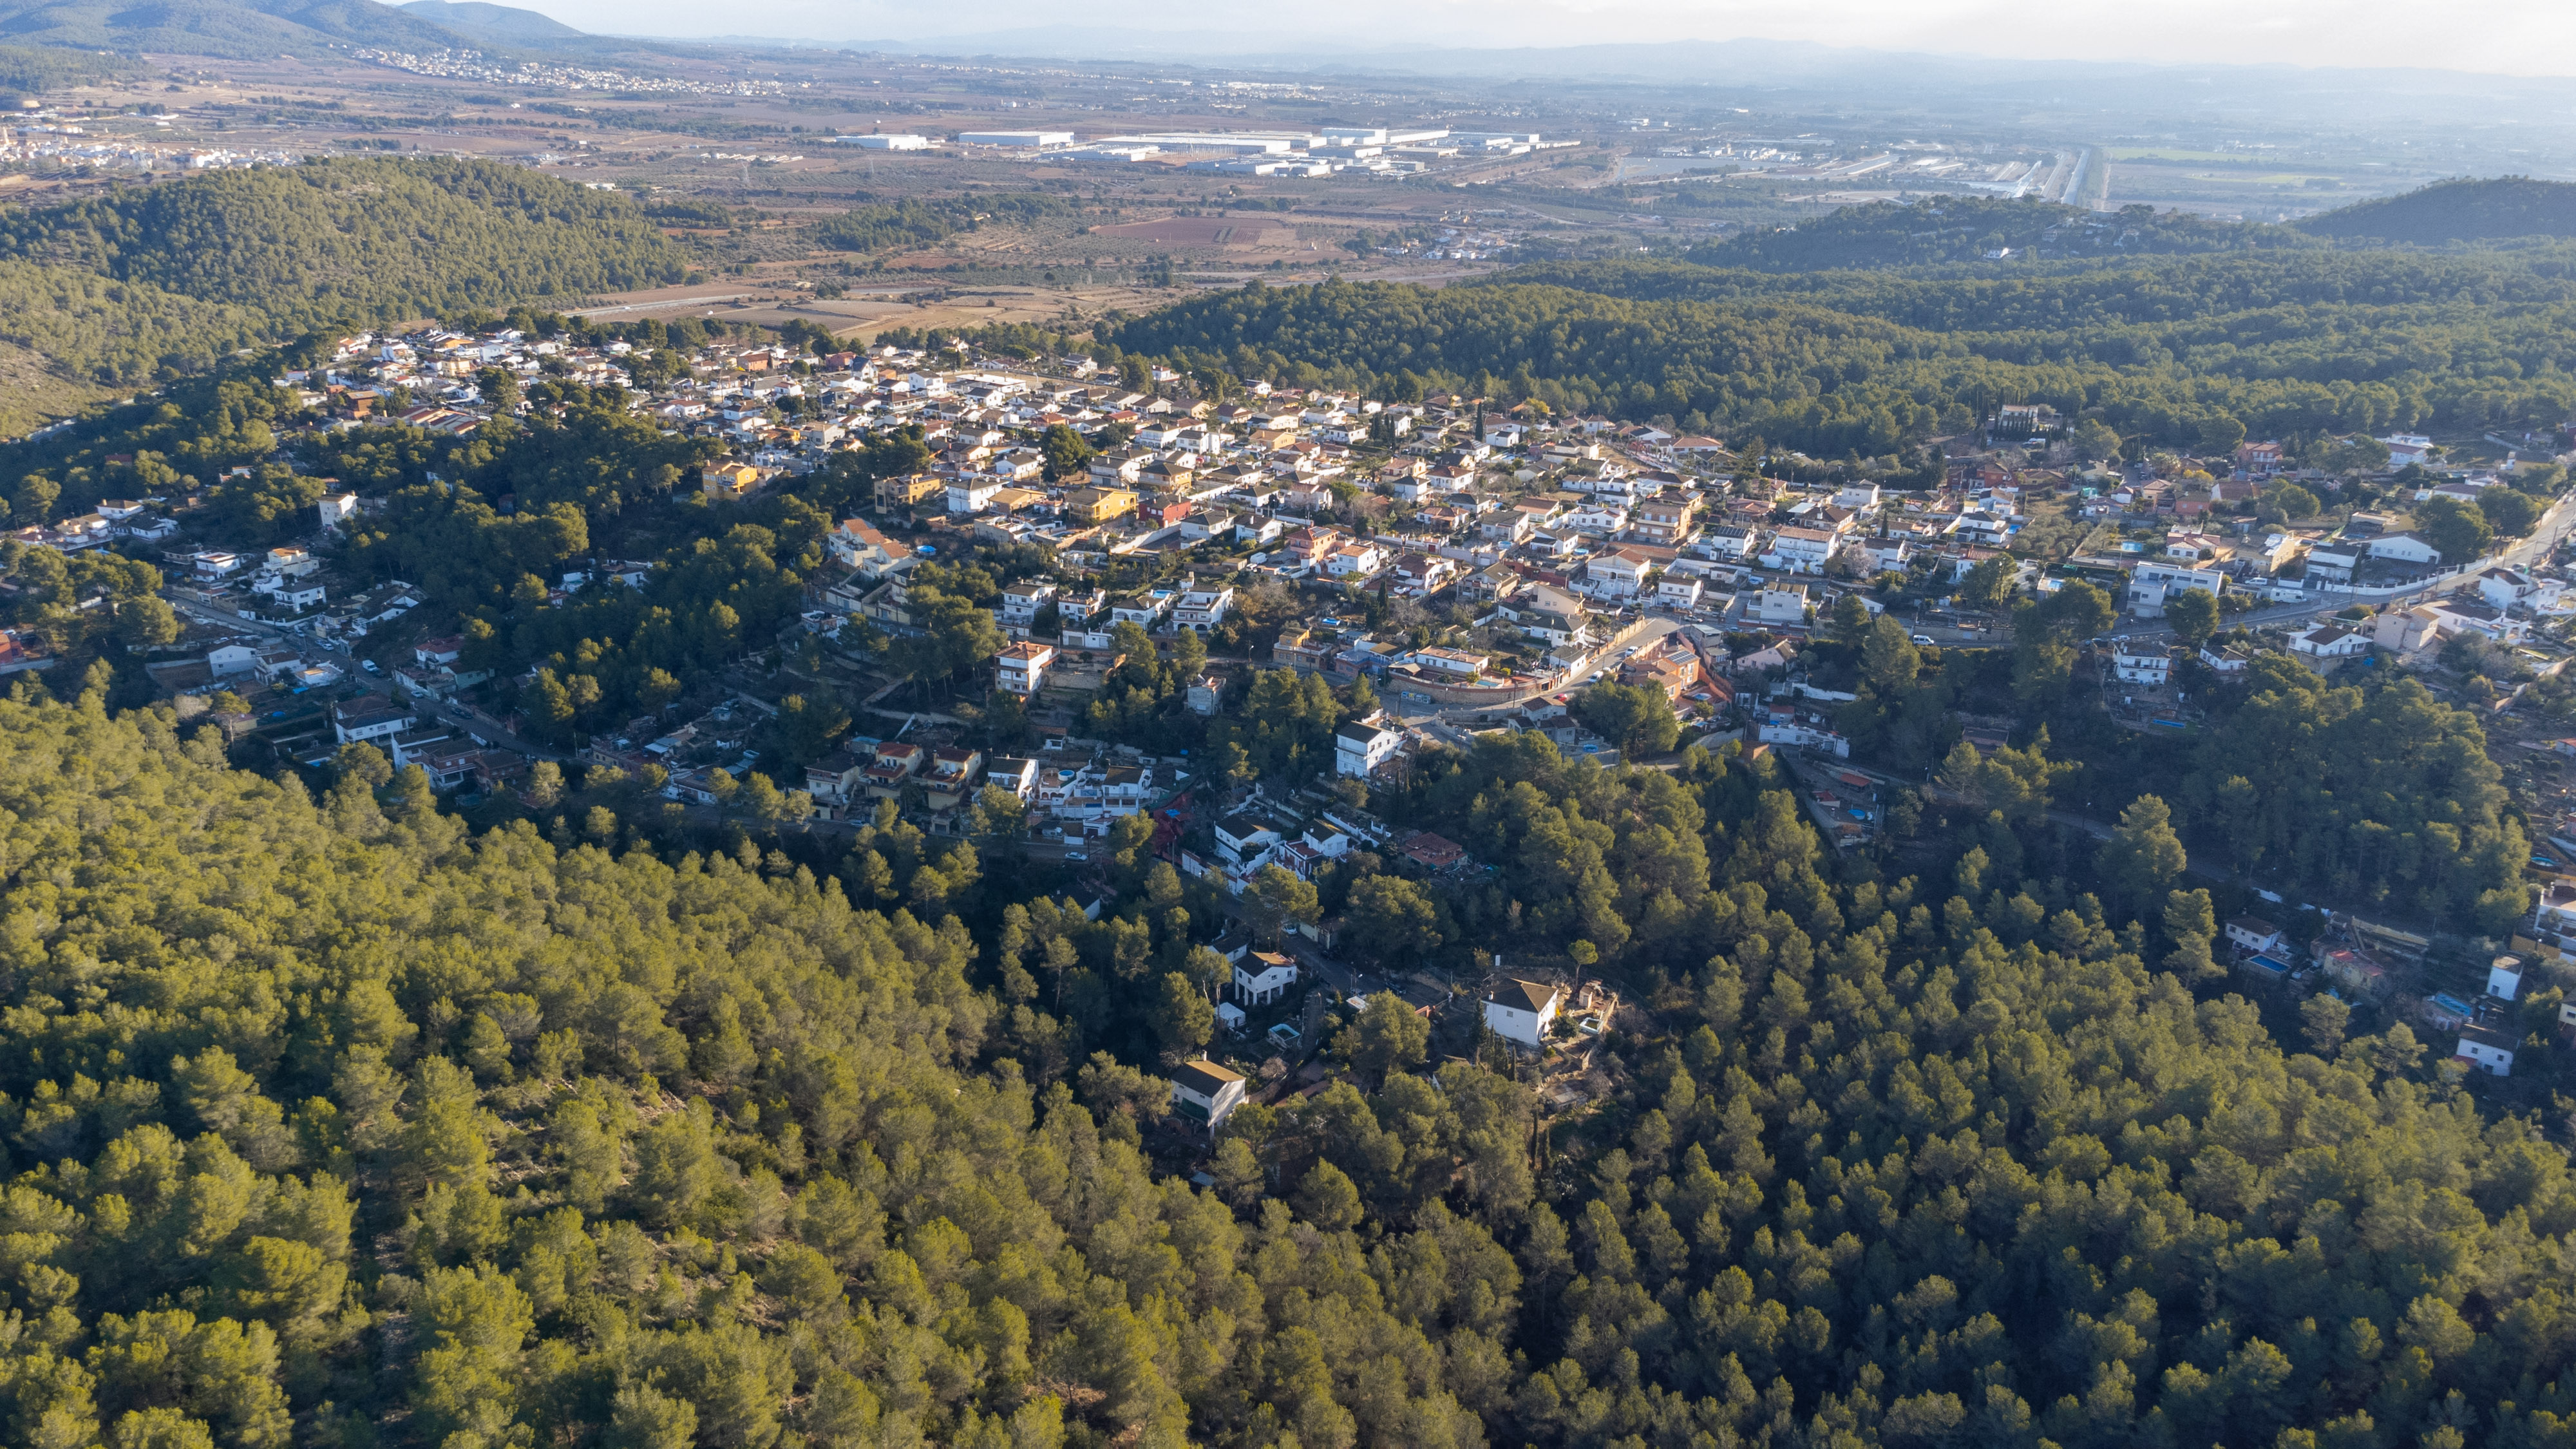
[[473, 65]]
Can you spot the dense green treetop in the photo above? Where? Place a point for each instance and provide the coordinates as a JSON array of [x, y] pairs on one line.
[[2380, 796], [325, 1111], [109, 331]]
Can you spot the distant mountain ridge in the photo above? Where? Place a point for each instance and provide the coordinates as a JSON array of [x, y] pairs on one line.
[[2466, 209], [227, 28], [505, 23]]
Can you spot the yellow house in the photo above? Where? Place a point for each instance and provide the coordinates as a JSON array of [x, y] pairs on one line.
[[732, 480], [1098, 505], [901, 493]]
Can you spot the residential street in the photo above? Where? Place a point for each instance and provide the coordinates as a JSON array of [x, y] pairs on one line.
[[2553, 525], [382, 685]]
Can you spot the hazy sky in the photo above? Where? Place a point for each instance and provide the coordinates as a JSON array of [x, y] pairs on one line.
[[2527, 37]]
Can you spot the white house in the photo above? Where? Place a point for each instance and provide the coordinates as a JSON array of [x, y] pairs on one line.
[[2505, 588], [1727, 541], [1889, 555], [1144, 611], [2403, 547], [1358, 749], [1620, 574], [973, 494], [2327, 641], [1020, 777], [2334, 562], [2152, 584], [1984, 528], [1450, 661], [2487, 1051], [1021, 668], [293, 593], [2504, 977], [2253, 933], [1678, 591], [1241, 839], [336, 507], [2483, 618], [1778, 606], [1203, 609], [232, 659], [1262, 977], [1596, 517], [2141, 663], [1206, 1092], [1520, 1012], [1359, 557], [1022, 601], [1801, 550], [1803, 735], [351, 724], [2555, 917]]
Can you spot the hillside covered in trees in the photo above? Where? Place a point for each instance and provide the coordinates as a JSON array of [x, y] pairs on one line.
[[2468, 209], [34, 70], [96, 328], [1973, 228], [2167, 351], [884, 226], [1981, 234], [329, 1122], [151, 281]]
